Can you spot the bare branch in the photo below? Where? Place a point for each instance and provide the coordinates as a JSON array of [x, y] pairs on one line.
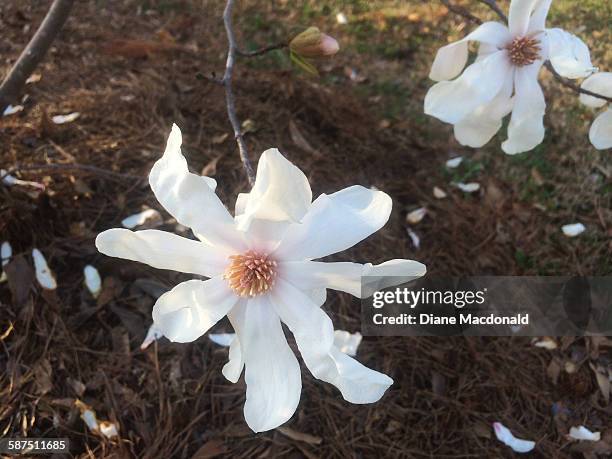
[[70, 168], [229, 95], [260, 51], [34, 52], [492, 4]]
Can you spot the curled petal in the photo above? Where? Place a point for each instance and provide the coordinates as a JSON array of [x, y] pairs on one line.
[[336, 222], [314, 335], [451, 59], [537, 22], [451, 101], [519, 16], [189, 310], [600, 83], [233, 368], [504, 435], [272, 373], [526, 128], [162, 250], [568, 54], [190, 198], [600, 133]]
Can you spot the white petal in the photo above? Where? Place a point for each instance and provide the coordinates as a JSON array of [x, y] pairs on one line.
[[504, 435], [233, 368], [568, 54], [189, 310], [600, 83], [162, 250], [482, 124], [451, 59], [222, 339], [347, 277], [44, 276], [190, 198], [63, 119], [272, 372], [12, 109], [314, 335], [416, 215], [141, 218], [582, 433], [600, 133], [347, 342], [537, 22], [414, 237], [6, 252], [92, 280], [153, 334], [454, 162], [526, 128], [439, 193], [470, 187], [451, 101], [335, 223], [519, 15], [573, 229]]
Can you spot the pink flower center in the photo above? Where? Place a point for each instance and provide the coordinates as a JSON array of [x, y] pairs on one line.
[[251, 273], [524, 51]]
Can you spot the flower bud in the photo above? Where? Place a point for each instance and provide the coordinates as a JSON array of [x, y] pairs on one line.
[[312, 43]]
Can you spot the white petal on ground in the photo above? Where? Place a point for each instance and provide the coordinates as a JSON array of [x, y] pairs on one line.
[[582, 433], [573, 229], [519, 16], [568, 54], [600, 83], [526, 128], [414, 237], [480, 83], [341, 18], [314, 335], [162, 250], [92, 280], [504, 435], [11, 180], [44, 276], [6, 252], [477, 128], [600, 133], [109, 429], [153, 334], [336, 222], [348, 277], [470, 187], [222, 339], [141, 218], [88, 415], [12, 109], [191, 308], [438, 193], [272, 372], [190, 198], [416, 215], [451, 59], [545, 343], [454, 162], [63, 119], [347, 342]]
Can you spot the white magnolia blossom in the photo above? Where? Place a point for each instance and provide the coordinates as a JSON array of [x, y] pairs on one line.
[[600, 133], [504, 77], [261, 273]]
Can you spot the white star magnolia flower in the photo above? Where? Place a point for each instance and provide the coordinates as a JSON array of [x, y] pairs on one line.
[[261, 273], [600, 133], [504, 77]]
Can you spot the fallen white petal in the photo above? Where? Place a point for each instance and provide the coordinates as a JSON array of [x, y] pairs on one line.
[[504, 435], [92, 280], [582, 433], [44, 276], [347, 342], [470, 187], [88, 415], [454, 162], [62, 119], [416, 240], [10, 180], [34, 78], [222, 339], [573, 229], [6, 252], [439, 193], [108, 429], [416, 215], [12, 109], [153, 334], [341, 18], [140, 218], [546, 343]]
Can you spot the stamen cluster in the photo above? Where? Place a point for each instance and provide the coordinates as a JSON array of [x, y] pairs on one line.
[[251, 274], [524, 51]]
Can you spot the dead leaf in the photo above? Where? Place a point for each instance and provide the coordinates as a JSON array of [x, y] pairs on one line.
[[110, 289], [43, 376], [210, 449], [210, 168], [603, 381], [299, 436], [553, 371], [300, 141], [20, 276]]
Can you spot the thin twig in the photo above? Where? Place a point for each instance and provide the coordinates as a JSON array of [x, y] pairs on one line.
[[492, 4], [69, 168], [229, 95], [34, 52], [260, 51]]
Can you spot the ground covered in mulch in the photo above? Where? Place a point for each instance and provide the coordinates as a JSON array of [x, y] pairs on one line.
[[132, 68]]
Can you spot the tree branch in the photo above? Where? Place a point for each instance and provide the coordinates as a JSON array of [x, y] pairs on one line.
[[226, 81], [492, 4], [34, 52], [260, 51]]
